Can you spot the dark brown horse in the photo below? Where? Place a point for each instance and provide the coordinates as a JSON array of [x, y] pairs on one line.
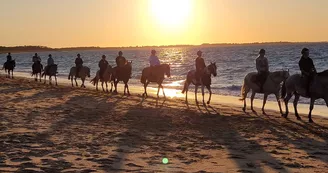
[[37, 69], [122, 74], [205, 81], [9, 66], [155, 74], [50, 71]]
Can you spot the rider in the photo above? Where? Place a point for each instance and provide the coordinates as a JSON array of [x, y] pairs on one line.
[[36, 58], [78, 64], [9, 59], [200, 65], [262, 66], [153, 59], [307, 68], [50, 62], [121, 62], [103, 64]]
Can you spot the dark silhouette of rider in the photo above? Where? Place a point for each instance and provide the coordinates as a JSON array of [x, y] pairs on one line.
[[36, 58], [200, 65], [103, 64], [307, 68], [120, 60], [50, 62], [9, 58], [262, 67], [78, 64]]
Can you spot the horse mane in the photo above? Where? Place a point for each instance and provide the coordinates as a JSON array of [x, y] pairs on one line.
[[323, 74]]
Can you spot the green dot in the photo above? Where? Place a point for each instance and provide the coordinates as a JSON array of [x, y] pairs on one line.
[[165, 160]]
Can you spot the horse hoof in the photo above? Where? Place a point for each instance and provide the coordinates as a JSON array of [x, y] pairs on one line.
[[35, 80], [299, 118], [310, 121], [208, 102], [244, 109]]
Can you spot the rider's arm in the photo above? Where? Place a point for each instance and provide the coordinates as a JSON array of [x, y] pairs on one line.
[[266, 64]]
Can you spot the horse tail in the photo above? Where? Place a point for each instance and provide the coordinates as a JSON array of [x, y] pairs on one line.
[[184, 87], [94, 81], [283, 90], [243, 91], [143, 77]]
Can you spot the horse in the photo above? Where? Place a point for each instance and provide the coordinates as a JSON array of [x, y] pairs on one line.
[[122, 74], [155, 74], [9, 66], [37, 69], [295, 85], [107, 77], [52, 71], [205, 81], [83, 73], [272, 85]]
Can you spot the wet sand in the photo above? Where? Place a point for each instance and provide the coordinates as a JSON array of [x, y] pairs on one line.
[[63, 129]]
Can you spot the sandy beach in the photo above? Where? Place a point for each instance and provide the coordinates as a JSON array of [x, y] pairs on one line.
[[63, 129]]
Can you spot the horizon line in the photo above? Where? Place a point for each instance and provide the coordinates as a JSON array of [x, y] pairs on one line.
[[147, 46]]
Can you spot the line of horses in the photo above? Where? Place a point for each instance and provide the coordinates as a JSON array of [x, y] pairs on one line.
[[291, 85]]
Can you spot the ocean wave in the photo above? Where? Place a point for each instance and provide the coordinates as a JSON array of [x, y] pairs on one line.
[[231, 88]]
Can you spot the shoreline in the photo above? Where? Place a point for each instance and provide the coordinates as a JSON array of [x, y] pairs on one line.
[[303, 109]]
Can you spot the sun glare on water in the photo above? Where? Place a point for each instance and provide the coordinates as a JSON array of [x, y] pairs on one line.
[[171, 13]]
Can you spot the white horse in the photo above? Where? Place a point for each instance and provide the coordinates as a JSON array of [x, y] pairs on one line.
[[271, 86], [205, 81], [84, 72], [107, 77], [295, 85]]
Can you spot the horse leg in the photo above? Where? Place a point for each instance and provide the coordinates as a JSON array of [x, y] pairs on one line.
[[210, 91], [145, 89], [72, 82], [286, 100], [297, 97], [196, 88], [45, 79], [12, 74], [56, 80], [264, 102], [126, 87], [75, 82], [40, 76], [115, 87], [111, 87], [203, 94], [252, 100], [102, 86], [163, 91], [159, 87], [311, 108], [279, 104], [50, 80], [106, 86], [186, 90], [83, 83]]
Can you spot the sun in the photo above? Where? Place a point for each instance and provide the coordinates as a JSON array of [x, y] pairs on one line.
[[171, 13]]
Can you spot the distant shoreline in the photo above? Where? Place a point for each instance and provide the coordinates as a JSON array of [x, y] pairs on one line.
[[20, 49]]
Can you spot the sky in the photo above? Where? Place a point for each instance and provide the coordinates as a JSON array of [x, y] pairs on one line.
[[107, 23]]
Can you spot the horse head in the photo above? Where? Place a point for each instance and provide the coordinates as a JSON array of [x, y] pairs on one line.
[[212, 68], [167, 70]]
